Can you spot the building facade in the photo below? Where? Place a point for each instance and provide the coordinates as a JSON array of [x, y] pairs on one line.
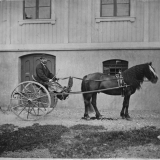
[[78, 36]]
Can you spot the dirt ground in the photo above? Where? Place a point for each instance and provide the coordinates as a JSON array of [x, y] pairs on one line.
[[68, 116]]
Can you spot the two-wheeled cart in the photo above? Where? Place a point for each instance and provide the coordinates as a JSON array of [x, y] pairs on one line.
[[30, 100]]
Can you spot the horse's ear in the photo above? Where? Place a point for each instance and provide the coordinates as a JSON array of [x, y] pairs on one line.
[[150, 63]]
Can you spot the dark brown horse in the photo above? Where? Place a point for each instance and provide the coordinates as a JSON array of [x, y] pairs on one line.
[[133, 77]]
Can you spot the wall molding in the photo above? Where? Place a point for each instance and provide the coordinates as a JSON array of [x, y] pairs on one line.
[[79, 46]]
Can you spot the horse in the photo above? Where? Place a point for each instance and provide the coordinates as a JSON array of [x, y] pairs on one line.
[[131, 78]]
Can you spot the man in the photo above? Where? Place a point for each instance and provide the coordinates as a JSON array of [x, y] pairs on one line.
[[43, 73]]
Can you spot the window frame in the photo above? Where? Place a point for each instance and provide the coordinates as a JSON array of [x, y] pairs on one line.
[[51, 20], [130, 18], [114, 9], [112, 64], [37, 7]]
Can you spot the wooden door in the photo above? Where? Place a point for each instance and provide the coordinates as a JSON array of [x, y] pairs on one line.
[[29, 63]]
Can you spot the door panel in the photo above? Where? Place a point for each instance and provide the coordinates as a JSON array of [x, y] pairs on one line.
[[26, 69], [29, 63]]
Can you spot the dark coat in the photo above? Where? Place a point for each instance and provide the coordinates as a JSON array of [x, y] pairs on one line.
[[43, 74]]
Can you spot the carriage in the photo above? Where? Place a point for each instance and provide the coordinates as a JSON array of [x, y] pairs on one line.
[[30, 100]]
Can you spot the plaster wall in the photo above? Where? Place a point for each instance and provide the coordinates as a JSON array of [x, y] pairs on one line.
[[80, 63]]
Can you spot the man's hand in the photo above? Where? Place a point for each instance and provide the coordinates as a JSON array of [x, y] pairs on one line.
[[50, 80], [55, 79]]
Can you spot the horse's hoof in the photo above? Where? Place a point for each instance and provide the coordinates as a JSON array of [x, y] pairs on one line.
[[123, 117], [86, 118], [129, 119], [99, 117]]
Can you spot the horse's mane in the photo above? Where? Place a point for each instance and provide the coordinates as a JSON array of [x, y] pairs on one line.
[[135, 75]]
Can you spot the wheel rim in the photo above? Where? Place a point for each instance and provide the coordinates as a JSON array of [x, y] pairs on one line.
[[30, 101], [54, 101]]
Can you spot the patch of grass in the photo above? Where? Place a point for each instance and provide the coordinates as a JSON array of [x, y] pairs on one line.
[[86, 127], [79, 141], [94, 144], [30, 137], [35, 153]]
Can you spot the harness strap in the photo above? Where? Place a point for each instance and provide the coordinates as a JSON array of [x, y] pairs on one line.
[[79, 92], [121, 83]]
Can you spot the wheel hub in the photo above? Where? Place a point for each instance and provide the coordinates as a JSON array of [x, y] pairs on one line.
[[29, 101]]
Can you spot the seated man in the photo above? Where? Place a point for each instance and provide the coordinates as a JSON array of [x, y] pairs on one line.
[[47, 79], [43, 73]]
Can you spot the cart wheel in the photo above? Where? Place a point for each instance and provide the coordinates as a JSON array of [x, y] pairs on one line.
[[30, 101], [54, 101]]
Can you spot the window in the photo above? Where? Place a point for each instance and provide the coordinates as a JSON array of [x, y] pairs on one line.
[[37, 9], [115, 8], [114, 66]]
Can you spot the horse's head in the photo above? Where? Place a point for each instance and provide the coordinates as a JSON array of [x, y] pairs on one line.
[[151, 75]]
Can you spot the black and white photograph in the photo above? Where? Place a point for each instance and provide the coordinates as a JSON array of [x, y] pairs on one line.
[[79, 79]]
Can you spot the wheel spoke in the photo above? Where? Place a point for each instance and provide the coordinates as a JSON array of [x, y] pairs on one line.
[[39, 97], [39, 89], [35, 92], [22, 94], [28, 112], [33, 110], [44, 106], [38, 108], [19, 99], [22, 110], [33, 88], [42, 102], [26, 88], [18, 105]]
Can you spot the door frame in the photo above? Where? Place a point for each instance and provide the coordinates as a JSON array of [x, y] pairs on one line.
[[30, 54]]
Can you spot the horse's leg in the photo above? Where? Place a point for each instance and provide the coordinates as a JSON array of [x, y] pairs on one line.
[[127, 106], [124, 112], [87, 99], [94, 103], [128, 93]]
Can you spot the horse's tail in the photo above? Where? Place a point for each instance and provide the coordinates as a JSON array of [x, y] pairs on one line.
[[84, 89]]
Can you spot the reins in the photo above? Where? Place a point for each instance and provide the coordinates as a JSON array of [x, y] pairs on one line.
[[97, 80], [88, 79]]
